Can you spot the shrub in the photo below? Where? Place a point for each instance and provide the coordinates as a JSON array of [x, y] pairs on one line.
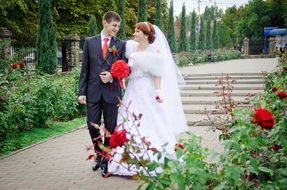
[[32, 100], [183, 61]]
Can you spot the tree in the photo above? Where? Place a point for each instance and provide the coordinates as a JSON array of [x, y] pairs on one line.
[[142, 11], [225, 39], [158, 20], [208, 44], [255, 16], [278, 12], [201, 39], [121, 9], [182, 35], [92, 26], [192, 40], [230, 18], [170, 29], [46, 46], [19, 16], [214, 35]]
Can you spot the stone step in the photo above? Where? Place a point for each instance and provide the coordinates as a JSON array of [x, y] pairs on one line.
[[189, 93], [205, 109], [224, 74], [189, 78], [216, 88], [210, 102], [214, 98], [215, 82]]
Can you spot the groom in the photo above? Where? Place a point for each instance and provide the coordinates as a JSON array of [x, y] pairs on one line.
[[97, 88]]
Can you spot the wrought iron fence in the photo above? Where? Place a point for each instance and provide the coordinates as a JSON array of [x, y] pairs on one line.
[[23, 47], [256, 46]]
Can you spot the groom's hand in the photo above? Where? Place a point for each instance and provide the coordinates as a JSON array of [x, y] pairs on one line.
[[82, 99], [106, 76]]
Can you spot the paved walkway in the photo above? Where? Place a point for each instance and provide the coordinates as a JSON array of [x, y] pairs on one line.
[[59, 163]]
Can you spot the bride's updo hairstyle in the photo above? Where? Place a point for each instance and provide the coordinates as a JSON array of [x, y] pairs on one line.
[[147, 29]]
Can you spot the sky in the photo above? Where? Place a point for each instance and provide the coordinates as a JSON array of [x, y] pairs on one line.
[[191, 5]]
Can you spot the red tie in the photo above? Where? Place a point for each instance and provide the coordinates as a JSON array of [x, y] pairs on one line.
[[105, 47]]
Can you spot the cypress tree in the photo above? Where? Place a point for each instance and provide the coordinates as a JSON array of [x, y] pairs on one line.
[[201, 39], [158, 20], [182, 36], [208, 44], [142, 11], [192, 41], [121, 11], [92, 26], [214, 35], [170, 29], [46, 45]]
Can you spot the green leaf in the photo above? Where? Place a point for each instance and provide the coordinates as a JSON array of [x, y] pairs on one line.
[[150, 186], [266, 170]]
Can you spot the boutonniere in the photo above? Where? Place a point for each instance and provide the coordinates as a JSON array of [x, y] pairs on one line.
[[113, 50]]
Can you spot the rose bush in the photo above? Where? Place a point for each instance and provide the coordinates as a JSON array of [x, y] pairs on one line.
[[254, 156]]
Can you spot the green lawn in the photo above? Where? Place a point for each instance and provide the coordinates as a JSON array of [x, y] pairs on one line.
[[40, 134]]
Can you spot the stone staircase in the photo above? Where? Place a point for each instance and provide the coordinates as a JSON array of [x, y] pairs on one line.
[[199, 95]]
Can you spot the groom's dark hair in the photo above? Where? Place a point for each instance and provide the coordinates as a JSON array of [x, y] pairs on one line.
[[112, 16]]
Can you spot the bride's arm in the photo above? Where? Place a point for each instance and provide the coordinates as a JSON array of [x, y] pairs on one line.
[[157, 85]]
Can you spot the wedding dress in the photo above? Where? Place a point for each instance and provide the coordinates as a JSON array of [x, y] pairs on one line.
[[157, 124]]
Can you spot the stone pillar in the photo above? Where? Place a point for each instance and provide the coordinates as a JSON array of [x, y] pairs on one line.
[[6, 34], [246, 46], [271, 47], [74, 50]]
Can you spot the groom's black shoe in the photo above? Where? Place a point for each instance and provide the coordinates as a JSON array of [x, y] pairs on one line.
[[97, 164], [104, 167]]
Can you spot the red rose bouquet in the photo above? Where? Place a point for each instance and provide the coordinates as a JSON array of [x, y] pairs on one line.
[[120, 70]]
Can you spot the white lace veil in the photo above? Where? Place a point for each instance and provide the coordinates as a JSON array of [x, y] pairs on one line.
[[171, 82]]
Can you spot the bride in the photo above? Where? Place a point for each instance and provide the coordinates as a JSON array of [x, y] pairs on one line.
[[152, 92]]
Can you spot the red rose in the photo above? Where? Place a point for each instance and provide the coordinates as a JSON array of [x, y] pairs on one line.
[[282, 94], [120, 69], [118, 138], [264, 118], [21, 64], [274, 89], [13, 66]]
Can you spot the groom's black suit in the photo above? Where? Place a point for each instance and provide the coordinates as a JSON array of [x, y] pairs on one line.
[[102, 98]]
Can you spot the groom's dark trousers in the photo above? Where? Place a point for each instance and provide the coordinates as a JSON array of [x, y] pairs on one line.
[[102, 98]]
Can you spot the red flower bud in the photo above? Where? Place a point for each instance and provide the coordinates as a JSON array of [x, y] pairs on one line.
[[274, 89], [276, 147], [282, 95], [179, 145], [21, 64], [153, 149], [264, 118], [13, 66]]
